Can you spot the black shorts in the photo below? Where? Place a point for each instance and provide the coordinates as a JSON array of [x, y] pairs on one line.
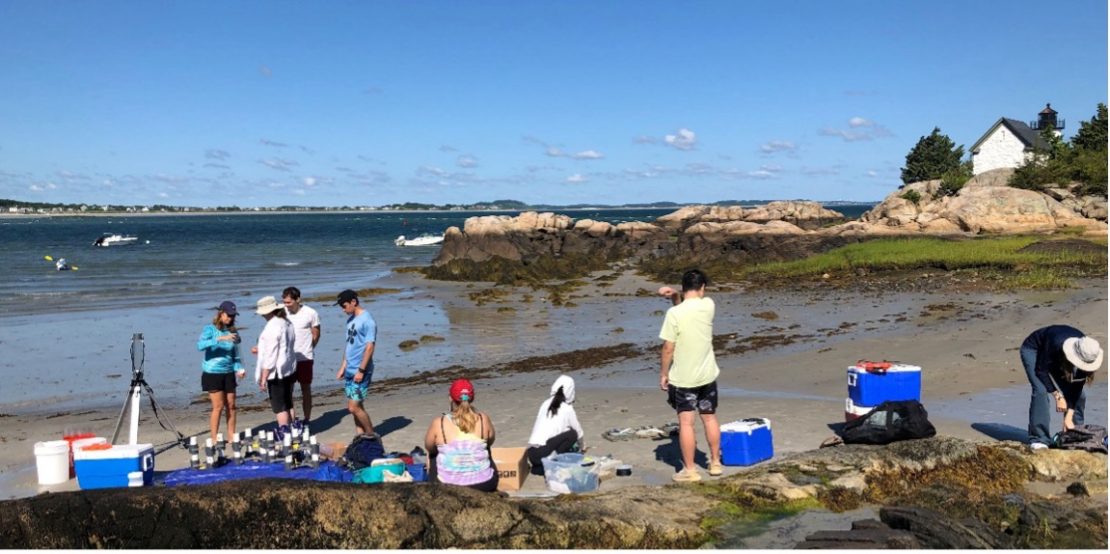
[[701, 399], [217, 382], [281, 393]]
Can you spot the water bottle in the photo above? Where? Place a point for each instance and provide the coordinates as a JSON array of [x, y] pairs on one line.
[[221, 445], [315, 448], [235, 445], [194, 454], [209, 461], [251, 442], [266, 447], [287, 449]]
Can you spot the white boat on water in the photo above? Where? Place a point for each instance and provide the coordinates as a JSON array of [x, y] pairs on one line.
[[422, 240], [109, 239]]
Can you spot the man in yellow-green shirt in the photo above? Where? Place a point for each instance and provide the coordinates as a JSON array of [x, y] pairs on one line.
[[688, 370]]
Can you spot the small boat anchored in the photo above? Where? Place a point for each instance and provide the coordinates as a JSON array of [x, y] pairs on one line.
[[110, 239], [422, 240]]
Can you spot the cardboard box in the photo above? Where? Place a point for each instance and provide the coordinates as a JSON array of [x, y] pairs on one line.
[[512, 467]]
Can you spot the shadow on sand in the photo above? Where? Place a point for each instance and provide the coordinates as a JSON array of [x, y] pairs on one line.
[[1001, 431]]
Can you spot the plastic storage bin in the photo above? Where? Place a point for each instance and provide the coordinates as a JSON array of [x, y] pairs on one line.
[[746, 442], [900, 382], [417, 472], [101, 468], [570, 473], [52, 462]]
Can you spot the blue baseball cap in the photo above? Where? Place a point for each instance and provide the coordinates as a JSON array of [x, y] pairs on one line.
[[228, 307]]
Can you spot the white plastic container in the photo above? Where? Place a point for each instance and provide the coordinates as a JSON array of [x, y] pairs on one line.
[[52, 462], [570, 473]]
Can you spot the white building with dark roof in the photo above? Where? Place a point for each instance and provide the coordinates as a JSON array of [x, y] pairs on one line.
[[1009, 143]]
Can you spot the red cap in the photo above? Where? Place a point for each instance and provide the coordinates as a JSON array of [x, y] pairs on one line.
[[460, 388]]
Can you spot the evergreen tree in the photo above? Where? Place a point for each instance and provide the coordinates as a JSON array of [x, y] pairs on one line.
[[1092, 134], [931, 158]]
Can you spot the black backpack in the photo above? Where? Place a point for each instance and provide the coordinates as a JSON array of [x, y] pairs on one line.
[[1091, 438], [363, 450], [889, 422]]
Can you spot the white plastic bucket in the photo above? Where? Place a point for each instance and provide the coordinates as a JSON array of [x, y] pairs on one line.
[[52, 462]]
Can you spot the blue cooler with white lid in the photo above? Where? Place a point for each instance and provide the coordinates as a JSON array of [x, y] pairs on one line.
[[102, 468], [871, 388], [746, 442]]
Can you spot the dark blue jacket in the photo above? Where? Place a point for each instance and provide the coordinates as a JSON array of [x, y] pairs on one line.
[[1049, 344]]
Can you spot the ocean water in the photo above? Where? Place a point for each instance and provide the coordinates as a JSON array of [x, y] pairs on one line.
[[185, 258]]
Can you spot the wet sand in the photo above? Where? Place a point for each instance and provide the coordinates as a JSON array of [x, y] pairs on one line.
[[783, 356]]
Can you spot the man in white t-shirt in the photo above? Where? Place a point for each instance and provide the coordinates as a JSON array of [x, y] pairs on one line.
[[306, 326], [688, 370]]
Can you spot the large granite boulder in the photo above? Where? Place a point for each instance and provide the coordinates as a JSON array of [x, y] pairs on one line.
[[985, 204], [805, 215]]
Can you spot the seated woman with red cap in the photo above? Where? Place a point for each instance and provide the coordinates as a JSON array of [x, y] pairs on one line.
[[459, 442]]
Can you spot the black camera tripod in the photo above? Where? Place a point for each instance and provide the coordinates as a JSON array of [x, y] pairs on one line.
[[134, 395]]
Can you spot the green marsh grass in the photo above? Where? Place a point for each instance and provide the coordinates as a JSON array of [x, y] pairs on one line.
[[998, 257]]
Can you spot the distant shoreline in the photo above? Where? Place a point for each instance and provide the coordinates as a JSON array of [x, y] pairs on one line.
[[349, 212]]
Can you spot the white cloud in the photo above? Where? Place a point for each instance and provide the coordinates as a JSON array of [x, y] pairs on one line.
[[644, 139], [683, 139], [447, 148], [553, 151], [216, 154], [298, 192], [872, 173], [278, 163], [778, 146], [35, 188], [268, 142], [576, 178], [51, 186], [859, 129], [761, 174], [466, 161], [163, 195], [309, 181], [588, 155]]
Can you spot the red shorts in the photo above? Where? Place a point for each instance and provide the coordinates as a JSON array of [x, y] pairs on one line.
[[304, 372]]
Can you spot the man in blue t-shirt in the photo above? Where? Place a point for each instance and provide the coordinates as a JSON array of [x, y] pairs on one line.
[[358, 364]]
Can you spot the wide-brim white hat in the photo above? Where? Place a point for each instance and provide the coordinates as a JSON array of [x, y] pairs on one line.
[[1085, 353], [267, 304]]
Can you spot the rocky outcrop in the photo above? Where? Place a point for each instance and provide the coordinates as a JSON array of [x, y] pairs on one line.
[[805, 215], [986, 205], [942, 492], [538, 246]]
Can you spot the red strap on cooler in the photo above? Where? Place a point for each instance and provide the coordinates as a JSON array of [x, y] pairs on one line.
[[873, 367]]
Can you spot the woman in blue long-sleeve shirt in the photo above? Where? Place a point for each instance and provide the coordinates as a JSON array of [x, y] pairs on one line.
[[1058, 361], [221, 367]]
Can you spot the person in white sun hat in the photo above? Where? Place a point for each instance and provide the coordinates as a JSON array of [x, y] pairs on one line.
[[1059, 360]]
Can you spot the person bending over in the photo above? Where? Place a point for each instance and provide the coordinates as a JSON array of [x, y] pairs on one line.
[[1058, 361], [556, 429]]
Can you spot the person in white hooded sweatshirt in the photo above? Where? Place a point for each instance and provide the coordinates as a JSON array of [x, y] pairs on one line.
[[277, 360], [557, 428]]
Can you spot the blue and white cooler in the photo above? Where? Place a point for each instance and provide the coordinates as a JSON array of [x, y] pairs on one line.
[[851, 411], [746, 442], [871, 388], [120, 465]]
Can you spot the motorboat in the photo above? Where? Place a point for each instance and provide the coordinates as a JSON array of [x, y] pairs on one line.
[[422, 240], [109, 239]]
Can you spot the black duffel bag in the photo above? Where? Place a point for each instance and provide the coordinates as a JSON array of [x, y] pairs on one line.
[[889, 422]]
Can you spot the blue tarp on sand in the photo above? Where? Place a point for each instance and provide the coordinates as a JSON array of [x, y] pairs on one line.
[[254, 469]]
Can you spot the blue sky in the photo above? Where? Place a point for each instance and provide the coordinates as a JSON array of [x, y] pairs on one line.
[[369, 103]]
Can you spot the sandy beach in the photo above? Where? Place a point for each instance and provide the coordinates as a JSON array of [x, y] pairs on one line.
[[783, 356]]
